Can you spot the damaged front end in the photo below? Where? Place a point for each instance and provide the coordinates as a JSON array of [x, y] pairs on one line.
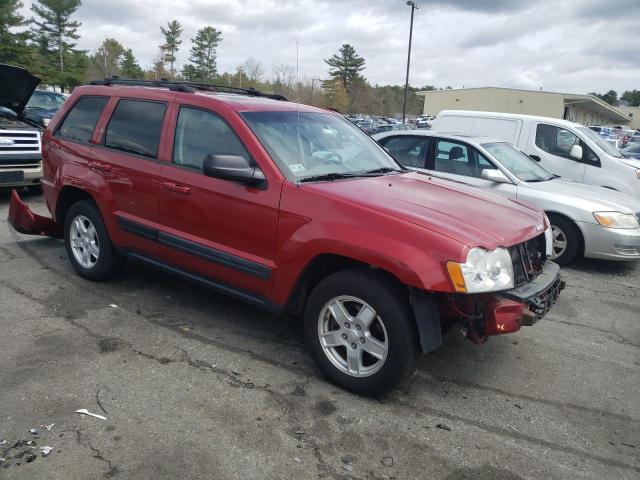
[[23, 220], [486, 315]]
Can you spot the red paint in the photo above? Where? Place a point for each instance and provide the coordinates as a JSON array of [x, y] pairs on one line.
[[409, 224]]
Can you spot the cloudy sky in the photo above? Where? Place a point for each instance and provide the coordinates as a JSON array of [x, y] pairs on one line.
[[563, 45]]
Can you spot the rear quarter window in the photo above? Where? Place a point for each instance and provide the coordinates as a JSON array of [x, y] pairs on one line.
[[81, 120]]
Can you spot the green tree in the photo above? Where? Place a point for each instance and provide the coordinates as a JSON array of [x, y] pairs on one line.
[[611, 97], [13, 46], [631, 96], [55, 25], [107, 58], [203, 55], [171, 43], [346, 66], [129, 67], [335, 94]]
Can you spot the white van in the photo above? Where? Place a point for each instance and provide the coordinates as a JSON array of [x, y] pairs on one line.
[[568, 149]]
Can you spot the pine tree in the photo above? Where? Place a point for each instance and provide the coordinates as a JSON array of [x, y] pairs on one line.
[[55, 25], [108, 57], [346, 66], [129, 67], [171, 43], [203, 55], [13, 46]]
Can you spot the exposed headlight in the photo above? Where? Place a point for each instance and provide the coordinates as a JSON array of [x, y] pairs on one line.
[[617, 220], [484, 271], [46, 121]]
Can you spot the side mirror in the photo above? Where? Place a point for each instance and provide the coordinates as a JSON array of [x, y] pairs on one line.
[[494, 175], [232, 167], [576, 152]]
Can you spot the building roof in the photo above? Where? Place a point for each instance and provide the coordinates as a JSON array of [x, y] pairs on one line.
[[590, 102]]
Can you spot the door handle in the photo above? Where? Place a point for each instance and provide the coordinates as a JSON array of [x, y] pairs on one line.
[[102, 166], [535, 157], [174, 187]]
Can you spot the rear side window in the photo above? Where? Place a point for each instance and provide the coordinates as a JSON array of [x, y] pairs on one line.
[[200, 133], [135, 127], [453, 157], [81, 120]]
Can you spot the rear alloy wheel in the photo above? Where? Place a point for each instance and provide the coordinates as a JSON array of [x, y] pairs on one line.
[[88, 244], [566, 240], [361, 330]]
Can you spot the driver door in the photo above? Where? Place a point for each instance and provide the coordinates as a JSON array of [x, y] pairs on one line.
[[216, 228], [552, 148]]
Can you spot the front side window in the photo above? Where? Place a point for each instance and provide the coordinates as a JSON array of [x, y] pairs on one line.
[[408, 150], [135, 127], [453, 157], [200, 133], [306, 145], [556, 140], [81, 120]]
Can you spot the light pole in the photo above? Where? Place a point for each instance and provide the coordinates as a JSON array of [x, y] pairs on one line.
[[414, 6]]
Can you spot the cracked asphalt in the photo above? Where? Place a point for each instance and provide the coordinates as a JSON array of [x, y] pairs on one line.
[[195, 385]]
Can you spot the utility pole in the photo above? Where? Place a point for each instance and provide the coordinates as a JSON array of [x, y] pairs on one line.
[[414, 6]]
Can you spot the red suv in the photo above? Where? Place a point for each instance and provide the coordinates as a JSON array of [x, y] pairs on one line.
[[291, 208]]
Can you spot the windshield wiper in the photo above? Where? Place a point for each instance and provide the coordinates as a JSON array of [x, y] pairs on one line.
[[383, 170], [330, 176]]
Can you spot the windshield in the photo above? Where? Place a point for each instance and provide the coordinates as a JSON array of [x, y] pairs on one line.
[[307, 144], [517, 162], [46, 100], [601, 142]]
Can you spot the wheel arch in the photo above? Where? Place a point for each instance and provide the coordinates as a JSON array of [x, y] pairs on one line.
[[67, 197], [552, 213]]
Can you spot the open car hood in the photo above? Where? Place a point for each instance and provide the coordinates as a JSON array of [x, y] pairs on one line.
[[16, 87]]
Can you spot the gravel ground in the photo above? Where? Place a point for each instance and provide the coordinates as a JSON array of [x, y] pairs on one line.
[[195, 385]]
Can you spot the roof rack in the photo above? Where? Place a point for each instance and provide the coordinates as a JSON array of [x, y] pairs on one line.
[[186, 86]]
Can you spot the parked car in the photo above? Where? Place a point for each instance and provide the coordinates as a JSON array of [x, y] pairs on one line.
[[391, 128], [586, 220], [42, 106], [293, 209], [423, 121], [20, 140], [568, 149], [633, 151]]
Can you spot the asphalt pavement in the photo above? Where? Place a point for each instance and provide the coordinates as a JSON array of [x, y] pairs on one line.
[[194, 385]]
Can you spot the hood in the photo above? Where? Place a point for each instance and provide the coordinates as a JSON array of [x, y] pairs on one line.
[[461, 212], [590, 198], [632, 162], [17, 87]]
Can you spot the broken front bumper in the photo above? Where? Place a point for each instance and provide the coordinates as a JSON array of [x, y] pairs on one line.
[[539, 295], [23, 220]]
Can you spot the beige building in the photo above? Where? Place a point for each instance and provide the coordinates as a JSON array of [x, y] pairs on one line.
[[634, 113], [584, 109]]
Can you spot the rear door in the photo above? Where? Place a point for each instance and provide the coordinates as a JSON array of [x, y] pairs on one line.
[[128, 160], [219, 229], [551, 147], [408, 150]]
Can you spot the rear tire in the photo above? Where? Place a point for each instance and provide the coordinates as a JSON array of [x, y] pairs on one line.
[[88, 244], [566, 240], [361, 331]]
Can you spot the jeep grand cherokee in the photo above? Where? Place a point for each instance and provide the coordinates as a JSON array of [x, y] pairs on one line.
[[291, 208]]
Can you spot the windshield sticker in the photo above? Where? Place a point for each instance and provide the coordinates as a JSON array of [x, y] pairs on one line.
[[297, 167]]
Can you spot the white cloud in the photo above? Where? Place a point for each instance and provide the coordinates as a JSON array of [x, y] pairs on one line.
[[562, 45]]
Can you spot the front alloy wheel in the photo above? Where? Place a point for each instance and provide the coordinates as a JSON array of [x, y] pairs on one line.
[[353, 336], [559, 242]]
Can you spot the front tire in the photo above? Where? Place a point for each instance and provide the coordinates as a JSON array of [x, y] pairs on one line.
[[361, 331], [88, 244], [566, 240]]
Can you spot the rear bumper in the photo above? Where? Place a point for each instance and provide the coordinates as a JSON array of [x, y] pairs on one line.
[[23, 220]]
